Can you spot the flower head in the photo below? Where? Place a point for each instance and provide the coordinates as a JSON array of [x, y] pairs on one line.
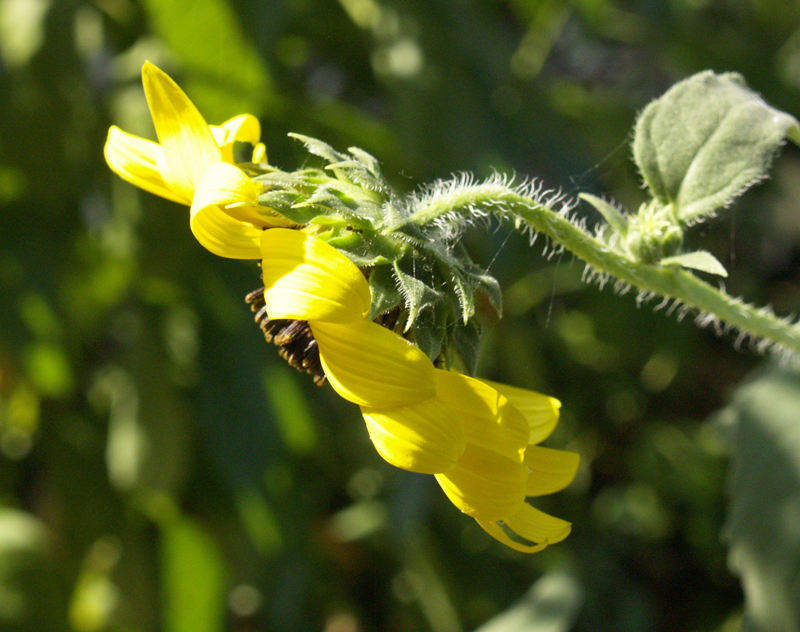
[[365, 322], [476, 439], [192, 164]]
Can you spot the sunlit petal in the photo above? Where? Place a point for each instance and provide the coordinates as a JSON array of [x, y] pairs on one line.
[[541, 411], [537, 526], [243, 128], [188, 145], [372, 366], [489, 419], [550, 470], [226, 188], [135, 160], [426, 437], [259, 153], [225, 236], [485, 484], [496, 531], [307, 279]]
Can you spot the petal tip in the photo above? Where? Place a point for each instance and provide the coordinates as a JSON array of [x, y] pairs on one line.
[[150, 68]]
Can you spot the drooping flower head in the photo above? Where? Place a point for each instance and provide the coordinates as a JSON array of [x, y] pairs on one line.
[[361, 291], [192, 164]]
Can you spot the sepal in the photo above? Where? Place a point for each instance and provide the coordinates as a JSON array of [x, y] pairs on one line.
[[701, 260], [385, 295], [360, 168], [615, 219]]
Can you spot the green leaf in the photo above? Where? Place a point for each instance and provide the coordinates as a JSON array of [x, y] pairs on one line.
[[357, 173], [429, 329], [223, 79], [280, 201], [368, 160], [375, 250], [700, 260], [551, 604], [323, 207], [487, 285], [32, 588], [193, 578], [418, 295], [764, 511], [615, 219], [385, 295], [706, 141], [467, 343], [281, 180], [320, 148], [465, 292]]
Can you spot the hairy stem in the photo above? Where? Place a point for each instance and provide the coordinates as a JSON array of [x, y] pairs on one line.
[[665, 281]]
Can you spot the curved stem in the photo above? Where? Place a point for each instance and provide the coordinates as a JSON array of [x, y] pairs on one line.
[[666, 281]]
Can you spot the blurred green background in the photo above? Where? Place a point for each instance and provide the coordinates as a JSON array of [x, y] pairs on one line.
[[162, 469]]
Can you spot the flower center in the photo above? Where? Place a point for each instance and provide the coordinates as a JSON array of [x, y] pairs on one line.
[[293, 338]]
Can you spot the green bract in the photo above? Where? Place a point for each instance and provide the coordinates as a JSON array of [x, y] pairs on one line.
[[423, 283]]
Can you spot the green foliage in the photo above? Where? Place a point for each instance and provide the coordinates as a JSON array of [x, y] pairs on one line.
[[701, 260], [706, 141], [31, 593], [764, 489], [236, 81], [193, 579]]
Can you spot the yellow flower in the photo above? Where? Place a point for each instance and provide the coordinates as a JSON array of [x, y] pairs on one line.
[[192, 165], [393, 381], [476, 437]]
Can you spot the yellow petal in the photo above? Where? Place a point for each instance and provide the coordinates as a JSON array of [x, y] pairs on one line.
[[135, 160], [496, 531], [537, 526], [550, 470], [189, 147], [224, 184], [259, 153], [307, 279], [541, 411], [225, 188], [485, 484], [372, 366], [243, 128], [490, 420], [426, 437], [220, 233]]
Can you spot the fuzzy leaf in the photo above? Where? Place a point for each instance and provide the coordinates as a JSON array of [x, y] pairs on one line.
[[707, 140], [418, 296], [465, 291], [385, 294], [285, 203], [375, 250], [489, 286], [357, 173], [280, 201], [368, 160], [764, 509], [467, 342], [355, 197], [699, 260], [320, 148], [333, 207], [615, 219], [281, 180], [429, 328]]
